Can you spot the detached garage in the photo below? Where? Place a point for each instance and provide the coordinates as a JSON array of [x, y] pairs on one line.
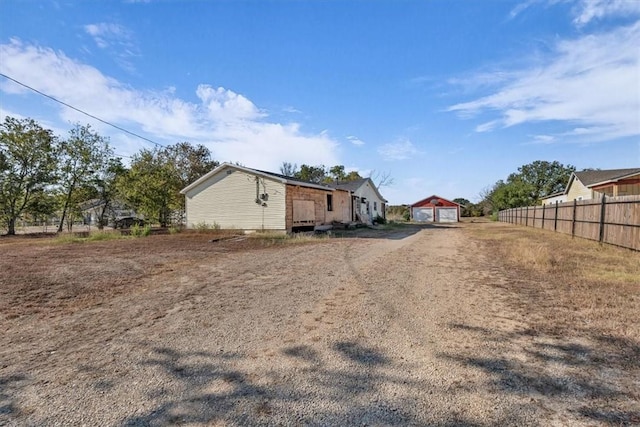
[[435, 209]]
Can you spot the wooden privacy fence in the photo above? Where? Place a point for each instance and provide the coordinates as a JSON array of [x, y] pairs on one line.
[[612, 220]]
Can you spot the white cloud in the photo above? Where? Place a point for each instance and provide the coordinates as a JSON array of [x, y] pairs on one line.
[[104, 34], [355, 140], [227, 122], [117, 40], [399, 150], [586, 11], [227, 106], [291, 110], [589, 10], [543, 139], [591, 81]]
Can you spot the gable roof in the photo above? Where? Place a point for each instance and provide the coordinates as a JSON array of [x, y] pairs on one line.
[[281, 178], [591, 178], [355, 184], [435, 196]]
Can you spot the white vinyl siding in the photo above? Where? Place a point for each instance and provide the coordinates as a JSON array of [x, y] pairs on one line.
[[228, 199], [367, 192]]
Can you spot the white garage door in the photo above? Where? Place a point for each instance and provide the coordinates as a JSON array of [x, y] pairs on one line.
[[423, 214], [447, 214]]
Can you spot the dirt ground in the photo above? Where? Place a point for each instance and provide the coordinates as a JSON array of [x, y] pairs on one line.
[[413, 326]]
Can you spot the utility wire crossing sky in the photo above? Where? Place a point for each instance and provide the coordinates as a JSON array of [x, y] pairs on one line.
[[446, 97]]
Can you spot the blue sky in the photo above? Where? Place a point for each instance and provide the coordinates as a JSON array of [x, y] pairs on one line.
[[445, 96]]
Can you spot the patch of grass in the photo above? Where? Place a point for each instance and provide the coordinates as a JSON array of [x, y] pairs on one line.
[[270, 238], [103, 235], [392, 225], [97, 236], [565, 284], [175, 229], [140, 231], [205, 226]]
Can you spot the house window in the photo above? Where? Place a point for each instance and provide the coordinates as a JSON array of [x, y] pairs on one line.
[[329, 202], [375, 206]]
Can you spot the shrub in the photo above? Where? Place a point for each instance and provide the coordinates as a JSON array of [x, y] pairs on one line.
[[380, 220], [138, 231], [204, 226]]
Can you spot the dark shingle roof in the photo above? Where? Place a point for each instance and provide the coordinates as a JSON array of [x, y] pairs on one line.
[[592, 177], [349, 185], [292, 180]]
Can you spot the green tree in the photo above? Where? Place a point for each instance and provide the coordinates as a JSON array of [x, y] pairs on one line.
[[27, 166], [154, 181], [542, 178], [105, 185], [150, 186], [528, 185], [352, 176], [189, 162], [288, 169], [315, 174], [43, 205], [466, 206], [82, 154], [337, 173]]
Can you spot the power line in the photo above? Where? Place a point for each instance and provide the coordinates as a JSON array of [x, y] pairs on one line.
[[81, 111]]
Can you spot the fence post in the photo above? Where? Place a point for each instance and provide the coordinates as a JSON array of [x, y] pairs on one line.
[[535, 208], [526, 219], [555, 218], [573, 220], [544, 208], [602, 211]]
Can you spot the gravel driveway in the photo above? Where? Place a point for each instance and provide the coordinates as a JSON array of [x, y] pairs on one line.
[[394, 330]]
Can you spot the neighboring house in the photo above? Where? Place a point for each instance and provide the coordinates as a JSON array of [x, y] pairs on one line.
[[554, 198], [435, 209], [91, 210], [592, 184], [368, 203], [237, 197]]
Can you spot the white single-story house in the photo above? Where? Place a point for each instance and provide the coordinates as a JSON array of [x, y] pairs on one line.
[[592, 184], [368, 203], [237, 197]]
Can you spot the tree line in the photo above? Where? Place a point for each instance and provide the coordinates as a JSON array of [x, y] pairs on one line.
[[42, 175], [526, 187]]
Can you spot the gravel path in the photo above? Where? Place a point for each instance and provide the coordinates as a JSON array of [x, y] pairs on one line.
[[396, 331]]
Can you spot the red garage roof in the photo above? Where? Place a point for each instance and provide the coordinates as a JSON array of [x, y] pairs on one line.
[[434, 201]]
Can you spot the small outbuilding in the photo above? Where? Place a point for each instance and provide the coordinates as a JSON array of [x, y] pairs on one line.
[[435, 209]]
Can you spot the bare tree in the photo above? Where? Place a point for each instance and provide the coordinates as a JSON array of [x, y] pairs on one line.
[[381, 179]]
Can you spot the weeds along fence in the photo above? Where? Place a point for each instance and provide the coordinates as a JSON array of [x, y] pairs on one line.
[[611, 220]]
